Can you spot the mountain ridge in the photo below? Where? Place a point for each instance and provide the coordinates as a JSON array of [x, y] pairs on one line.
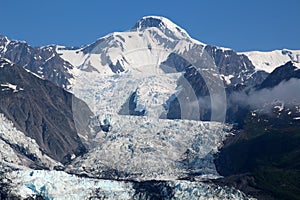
[[64, 65], [152, 105]]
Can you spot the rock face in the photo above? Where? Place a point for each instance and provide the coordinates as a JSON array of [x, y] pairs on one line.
[[262, 159], [129, 107], [235, 66], [282, 73], [192, 82], [43, 61], [235, 70], [42, 111]]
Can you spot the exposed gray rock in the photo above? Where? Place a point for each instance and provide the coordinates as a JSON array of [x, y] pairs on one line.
[[43, 112], [43, 61]]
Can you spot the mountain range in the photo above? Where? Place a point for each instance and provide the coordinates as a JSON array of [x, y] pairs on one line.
[[149, 113]]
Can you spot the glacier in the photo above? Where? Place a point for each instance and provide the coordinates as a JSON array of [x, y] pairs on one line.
[[143, 148], [62, 186], [177, 154]]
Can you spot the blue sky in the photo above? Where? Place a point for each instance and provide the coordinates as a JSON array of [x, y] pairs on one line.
[[241, 25]]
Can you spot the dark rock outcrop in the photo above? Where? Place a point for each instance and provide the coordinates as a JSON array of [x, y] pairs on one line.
[[43, 111], [128, 108], [281, 73], [262, 159]]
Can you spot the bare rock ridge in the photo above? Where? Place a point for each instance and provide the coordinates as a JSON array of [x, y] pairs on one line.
[[43, 61]]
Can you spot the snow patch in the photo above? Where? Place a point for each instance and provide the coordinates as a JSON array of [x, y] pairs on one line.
[[224, 48], [41, 77], [9, 86], [74, 57], [297, 64], [4, 62], [52, 56], [227, 78], [279, 107]]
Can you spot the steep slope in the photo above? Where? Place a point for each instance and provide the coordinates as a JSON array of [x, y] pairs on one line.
[[153, 71], [18, 149], [43, 61], [152, 40], [159, 42], [235, 68], [41, 110], [149, 41], [282, 73], [155, 47], [263, 160]]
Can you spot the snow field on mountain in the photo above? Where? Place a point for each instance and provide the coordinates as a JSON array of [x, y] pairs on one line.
[[268, 61], [132, 49], [166, 24]]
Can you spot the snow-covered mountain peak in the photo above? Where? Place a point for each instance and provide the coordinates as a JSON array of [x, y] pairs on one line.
[[162, 23], [147, 44]]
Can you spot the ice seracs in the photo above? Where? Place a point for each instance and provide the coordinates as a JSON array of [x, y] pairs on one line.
[[145, 148], [59, 185]]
